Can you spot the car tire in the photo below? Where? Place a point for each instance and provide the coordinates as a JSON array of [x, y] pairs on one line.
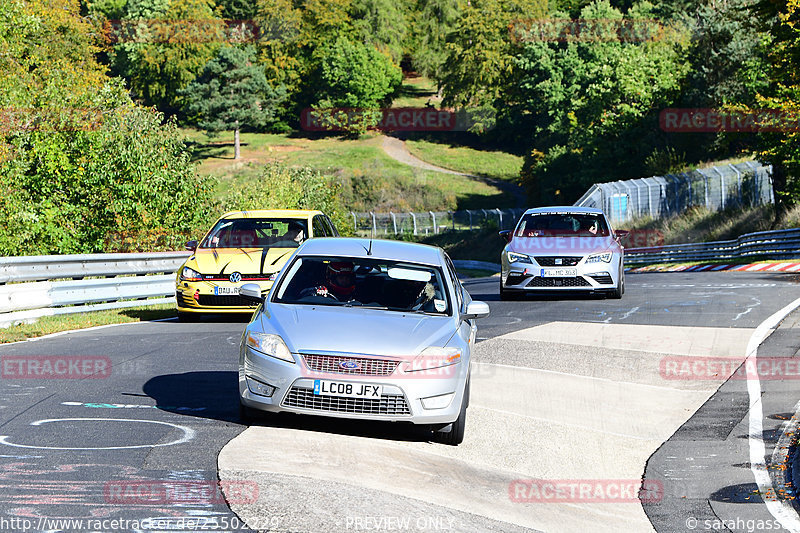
[[507, 295], [455, 436], [617, 293], [187, 317]]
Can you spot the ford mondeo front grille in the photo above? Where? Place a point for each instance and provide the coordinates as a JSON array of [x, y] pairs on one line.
[[387, 405], [342, 364]]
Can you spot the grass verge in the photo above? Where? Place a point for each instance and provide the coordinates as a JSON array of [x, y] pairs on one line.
[[492, 164], [54, 324]]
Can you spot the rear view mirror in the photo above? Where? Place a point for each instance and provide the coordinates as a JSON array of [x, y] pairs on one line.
[[252, 292], [476, 309]]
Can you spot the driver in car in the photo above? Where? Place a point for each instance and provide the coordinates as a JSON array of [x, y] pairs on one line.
[[340, 282]]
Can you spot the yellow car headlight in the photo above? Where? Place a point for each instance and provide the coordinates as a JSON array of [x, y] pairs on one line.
[[189, 274]]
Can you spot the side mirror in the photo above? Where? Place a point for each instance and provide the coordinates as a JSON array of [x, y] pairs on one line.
[[476, 309], [505, 234], [252, 292], [191, 246], [621, 234]]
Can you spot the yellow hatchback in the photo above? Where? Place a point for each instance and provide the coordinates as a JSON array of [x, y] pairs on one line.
[[242, 247]]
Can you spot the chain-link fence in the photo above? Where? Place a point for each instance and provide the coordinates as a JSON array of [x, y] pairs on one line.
[[716, 188], [431, 222]]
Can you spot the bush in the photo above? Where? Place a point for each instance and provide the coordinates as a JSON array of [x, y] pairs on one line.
[[281, 187]]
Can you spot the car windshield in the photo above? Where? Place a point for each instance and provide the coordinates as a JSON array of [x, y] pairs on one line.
[[257, 233], [562, 225], [374, 283]]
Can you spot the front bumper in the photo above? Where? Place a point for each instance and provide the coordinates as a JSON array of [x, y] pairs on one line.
[[200, 297], [400, 401]]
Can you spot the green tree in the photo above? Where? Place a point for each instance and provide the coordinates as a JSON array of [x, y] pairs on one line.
[[432, 21], [354, 75], [232, 92], [781, 148], [164, 45], [383, 24]]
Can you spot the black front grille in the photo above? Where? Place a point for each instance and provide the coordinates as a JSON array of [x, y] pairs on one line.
[[549, 261], [515, 279], [388, 404], [366, 366], [558, 282], [603, 279], [225, 301]]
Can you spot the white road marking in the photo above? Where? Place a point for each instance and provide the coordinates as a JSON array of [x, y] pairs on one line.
[[629, 313], [749, 308], [781, 510], [188, 434]]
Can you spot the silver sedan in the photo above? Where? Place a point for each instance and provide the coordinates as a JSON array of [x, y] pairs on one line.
[[367, 329], [562, 249]]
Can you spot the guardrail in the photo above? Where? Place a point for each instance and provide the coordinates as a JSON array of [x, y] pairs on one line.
[[84, 282], [777, 244]]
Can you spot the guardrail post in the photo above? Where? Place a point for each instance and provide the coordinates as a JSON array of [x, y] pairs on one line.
[[721, 187], [414, 220], [435, 231], [374, 225], [499, 217], [738, 184], [355, 222], [394, 222], [470, 219]]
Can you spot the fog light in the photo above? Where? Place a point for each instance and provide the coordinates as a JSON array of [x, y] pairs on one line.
[[257, 387], [438, 402]]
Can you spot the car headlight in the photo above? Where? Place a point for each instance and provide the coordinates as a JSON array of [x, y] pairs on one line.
[[434, 357], [604, 257], [268, 344], [190, 275], [514, 257]]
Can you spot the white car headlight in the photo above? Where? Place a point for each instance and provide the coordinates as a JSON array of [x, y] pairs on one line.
[[268, 344], [190, 275], [434, 357], [604, 257], [513, 257]]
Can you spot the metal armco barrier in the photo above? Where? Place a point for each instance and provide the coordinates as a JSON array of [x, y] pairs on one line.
[[778, 244], [116, 280]]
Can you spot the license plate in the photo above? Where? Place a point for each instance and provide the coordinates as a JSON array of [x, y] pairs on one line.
[[350, 390], [222, 291], [559, 272]]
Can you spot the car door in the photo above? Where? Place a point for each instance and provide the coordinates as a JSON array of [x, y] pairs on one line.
[[467, 328]]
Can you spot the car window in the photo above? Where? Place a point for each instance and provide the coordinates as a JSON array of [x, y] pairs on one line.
[[454, 278], [375, 283], [256, 233], [562, 225], [331, 228], [319, 227]]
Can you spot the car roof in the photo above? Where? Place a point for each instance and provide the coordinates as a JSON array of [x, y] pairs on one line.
[[272, 213], [565, 209], [380, 248]]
